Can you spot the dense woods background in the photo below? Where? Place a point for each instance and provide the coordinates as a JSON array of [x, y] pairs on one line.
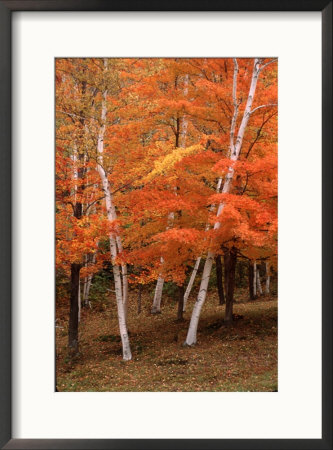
[[166, 224]]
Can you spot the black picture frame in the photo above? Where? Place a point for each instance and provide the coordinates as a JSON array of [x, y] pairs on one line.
[[6, 9]]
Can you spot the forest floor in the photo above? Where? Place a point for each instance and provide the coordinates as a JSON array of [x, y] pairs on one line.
[[237, 358]]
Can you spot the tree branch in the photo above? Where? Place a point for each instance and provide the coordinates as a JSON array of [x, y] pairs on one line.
[[91, 204], [269, 62], [263, 106]]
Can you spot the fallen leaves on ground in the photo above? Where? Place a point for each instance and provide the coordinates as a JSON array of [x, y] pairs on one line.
[[240, 357]]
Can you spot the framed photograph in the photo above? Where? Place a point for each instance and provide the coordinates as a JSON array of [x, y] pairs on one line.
[[166, 244]]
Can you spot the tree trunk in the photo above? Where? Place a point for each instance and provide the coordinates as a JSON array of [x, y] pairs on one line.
[[86, 301], [219, 279], [73, 328], [258, 282], [190, 283], [268, 278], [123, 268], [231, 285], [111, 214], [251, 280], [87, 282], [156, 308], [235, 149], [191, 338], [75, 295], [180, 303], [226, 259]]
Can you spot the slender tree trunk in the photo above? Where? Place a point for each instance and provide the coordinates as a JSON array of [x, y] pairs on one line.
[[127, 355], [125, 287], [88, 281], [191, 338], [231, 285], [156, 308], [235, 149], [219, 279], [226, 258], [86, 301], [268, 278], [73, 328], [258, 282], [75, 296], [79, 302], [87, 286], [123, 268], [139, 298], [180, 302], [250, 267], [255, 279], [190, 283], [84, 290], [85, 281]]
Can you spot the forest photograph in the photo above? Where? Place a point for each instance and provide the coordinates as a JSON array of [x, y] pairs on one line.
[[166, 224]]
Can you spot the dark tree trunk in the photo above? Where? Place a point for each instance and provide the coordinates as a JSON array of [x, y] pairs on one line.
[[231, 270], [226, 259], [251, 274], [219, 279], [73, 329], [181, 292], [139, 298], [177, 131]]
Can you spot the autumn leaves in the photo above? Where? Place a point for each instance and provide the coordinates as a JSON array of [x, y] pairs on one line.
[[141, 147]]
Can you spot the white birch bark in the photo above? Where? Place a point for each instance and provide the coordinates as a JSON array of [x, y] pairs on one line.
[[123, 272], [235, 149], [255, 279], [86, 301], [259, 283], [156, 308], [268, 279], [191, 281], [127, 355], [87, 284], [113, 214]]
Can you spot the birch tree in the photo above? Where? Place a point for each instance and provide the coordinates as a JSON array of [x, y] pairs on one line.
[[259, 288], [267, 284], [115, 242], [255, 279], [235, 148]]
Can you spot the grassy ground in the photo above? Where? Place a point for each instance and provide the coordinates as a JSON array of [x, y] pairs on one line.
[[241, 357]]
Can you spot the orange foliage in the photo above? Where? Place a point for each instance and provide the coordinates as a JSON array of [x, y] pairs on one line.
[[164, 195]]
